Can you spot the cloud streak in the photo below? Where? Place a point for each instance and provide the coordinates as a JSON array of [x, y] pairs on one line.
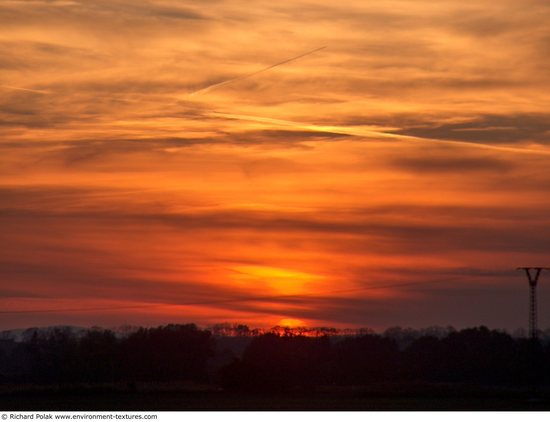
[[36, 91]]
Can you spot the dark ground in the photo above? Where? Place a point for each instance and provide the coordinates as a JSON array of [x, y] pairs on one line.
[[439, 398]]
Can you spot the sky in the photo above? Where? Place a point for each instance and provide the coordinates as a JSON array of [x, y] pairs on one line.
[[306, 162]]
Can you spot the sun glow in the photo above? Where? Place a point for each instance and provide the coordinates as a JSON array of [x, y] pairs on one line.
[[278, 280], [291, 322]]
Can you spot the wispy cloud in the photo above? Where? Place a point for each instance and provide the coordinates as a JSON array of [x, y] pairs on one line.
[[16, 88], [413, 148]]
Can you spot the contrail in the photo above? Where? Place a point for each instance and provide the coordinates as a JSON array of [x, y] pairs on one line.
[[374, 133], [265, 69], [16, 88]]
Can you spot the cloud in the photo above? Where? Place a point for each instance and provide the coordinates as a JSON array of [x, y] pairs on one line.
[[400, 229], [492, 129], [121, 10], [453, 164], [117, 182]]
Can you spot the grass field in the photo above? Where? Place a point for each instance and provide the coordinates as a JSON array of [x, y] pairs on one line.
[[321, 400]]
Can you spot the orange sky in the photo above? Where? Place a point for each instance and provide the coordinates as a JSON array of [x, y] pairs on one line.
[[355, 164]]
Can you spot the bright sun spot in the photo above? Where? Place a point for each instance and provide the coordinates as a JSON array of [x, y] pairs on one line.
[[291, 322]]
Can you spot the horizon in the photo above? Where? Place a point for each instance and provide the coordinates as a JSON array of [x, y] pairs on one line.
[[381, 163], [519, 332]]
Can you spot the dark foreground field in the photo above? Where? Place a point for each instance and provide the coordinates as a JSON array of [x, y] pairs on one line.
[[446, 399], [180, 367]]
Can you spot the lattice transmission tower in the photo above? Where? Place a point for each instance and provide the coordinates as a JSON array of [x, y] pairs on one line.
[[533, 274]]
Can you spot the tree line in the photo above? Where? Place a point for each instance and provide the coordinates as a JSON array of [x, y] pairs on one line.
[[272, 361]]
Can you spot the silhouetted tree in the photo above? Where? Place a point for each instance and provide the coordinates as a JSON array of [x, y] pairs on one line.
[[173, 352], [15, 361], [477, 355], [273, 362], [531, 362], [99, 358], [54, 356], [424, 360], [365, 359]]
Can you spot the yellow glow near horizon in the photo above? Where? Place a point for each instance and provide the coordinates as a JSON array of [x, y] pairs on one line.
[[291, 322]]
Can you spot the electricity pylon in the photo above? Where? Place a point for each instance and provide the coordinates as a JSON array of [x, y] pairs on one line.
[[533, 279]]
